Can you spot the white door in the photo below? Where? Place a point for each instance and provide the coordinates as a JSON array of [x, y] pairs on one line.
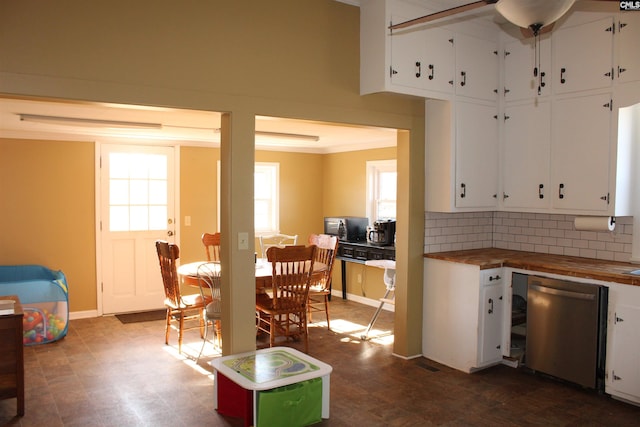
[[136, 209]]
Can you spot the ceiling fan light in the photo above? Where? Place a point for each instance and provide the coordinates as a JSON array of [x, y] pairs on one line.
[[525, 13]]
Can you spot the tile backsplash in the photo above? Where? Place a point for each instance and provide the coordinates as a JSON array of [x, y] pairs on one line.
[[534, 232]]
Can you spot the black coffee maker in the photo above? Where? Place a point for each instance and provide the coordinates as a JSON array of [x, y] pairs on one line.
[[382, 233]]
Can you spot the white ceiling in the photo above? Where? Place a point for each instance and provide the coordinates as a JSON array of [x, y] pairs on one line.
[[188, 127]]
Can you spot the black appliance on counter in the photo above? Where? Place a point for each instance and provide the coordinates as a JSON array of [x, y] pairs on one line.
[[382, 233], [347, 228]]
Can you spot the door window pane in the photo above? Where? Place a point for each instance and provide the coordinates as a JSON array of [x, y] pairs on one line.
[[137, 192]]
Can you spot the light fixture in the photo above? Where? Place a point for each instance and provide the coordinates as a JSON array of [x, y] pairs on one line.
[[79, 121], [533, 14], [100, 123], [283, 135]]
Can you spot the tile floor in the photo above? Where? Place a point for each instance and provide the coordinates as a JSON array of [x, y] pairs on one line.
[[105, 373]]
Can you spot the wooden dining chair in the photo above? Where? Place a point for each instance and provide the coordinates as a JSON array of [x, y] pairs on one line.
[[277, 240], [285, 312], [211, 244], [320, 288], [210, 290], [180, 307]]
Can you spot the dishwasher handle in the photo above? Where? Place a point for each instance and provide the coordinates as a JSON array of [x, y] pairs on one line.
[[561, 293]]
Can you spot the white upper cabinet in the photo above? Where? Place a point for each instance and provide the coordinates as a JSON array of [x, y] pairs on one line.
[[439, 66], [526, 155], [527, 68], [421, 62], [476, 155], [581, 153], [476, 67], [425, 60], [461, 156], [583, 56], [628, 67]]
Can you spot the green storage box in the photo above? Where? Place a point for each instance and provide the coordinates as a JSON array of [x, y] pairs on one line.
[[298, 404]]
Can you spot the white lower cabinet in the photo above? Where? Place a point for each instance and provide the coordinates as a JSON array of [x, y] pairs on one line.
[[463, 315], [623, 343]]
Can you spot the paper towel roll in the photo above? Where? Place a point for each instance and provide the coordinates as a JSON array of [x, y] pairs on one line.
[[595, 223]]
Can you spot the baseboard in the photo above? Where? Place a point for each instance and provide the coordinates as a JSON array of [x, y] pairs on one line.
[[363, 300], [75, 315]]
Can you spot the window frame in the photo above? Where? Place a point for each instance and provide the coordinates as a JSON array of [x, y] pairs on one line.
[[374, 168]]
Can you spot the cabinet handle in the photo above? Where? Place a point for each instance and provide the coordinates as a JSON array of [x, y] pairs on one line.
[[561, 191], [621, 70], [463, 74], [392, 72], [431, 69], [505, 196], [418, 69], [618, 319], [562, 71], [491, 278], [540, 191], [491, 302], [542, 83], [609, 74], [464, 190]]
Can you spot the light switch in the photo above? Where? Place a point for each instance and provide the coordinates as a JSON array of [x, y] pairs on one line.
[[187, 220], [243, 241]]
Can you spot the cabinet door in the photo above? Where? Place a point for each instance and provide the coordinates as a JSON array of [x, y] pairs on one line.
[[580, 153], [591, 67], [628, 68], [407, 56], [439, 60], [476, 67], [624, 355], [521, 79], [491, 320], [476, 155], [526, 155]]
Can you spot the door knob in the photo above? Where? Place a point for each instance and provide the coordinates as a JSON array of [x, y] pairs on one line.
[[169, 233]]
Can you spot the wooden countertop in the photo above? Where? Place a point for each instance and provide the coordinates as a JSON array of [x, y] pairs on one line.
[[587, 268]]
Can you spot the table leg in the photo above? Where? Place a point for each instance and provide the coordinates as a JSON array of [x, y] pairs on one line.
[[344, 279]]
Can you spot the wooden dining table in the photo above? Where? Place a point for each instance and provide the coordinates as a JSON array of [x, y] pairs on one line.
[[263, 273]]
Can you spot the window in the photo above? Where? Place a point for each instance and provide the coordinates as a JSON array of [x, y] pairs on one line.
[[266, 198], [382, 178]]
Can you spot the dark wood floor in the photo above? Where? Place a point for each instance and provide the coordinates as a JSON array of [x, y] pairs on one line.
[[105, 373]]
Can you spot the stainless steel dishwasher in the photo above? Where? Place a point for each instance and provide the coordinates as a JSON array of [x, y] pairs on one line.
[[566, 330]]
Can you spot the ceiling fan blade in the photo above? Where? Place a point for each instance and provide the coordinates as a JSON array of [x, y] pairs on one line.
[[442, 14], [528, 32]]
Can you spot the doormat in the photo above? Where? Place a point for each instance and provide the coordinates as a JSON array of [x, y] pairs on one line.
[[144, 316]]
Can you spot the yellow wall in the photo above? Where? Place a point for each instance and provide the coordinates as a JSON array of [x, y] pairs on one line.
[[47, 212], [287, 58], [308, 184], [345, 195], [198, 199]]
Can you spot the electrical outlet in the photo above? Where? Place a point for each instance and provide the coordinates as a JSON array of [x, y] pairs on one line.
[[187, 221]]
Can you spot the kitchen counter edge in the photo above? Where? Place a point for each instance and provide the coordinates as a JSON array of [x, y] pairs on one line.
[[586, 268]]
